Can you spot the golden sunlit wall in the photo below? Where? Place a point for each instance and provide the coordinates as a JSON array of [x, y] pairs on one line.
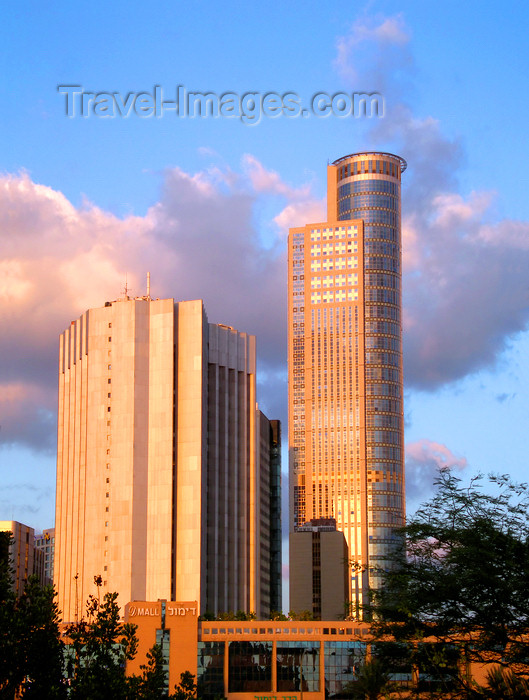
[[345, 363], [159, 457]]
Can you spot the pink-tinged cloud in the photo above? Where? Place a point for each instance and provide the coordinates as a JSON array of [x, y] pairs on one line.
[[302, 206], [424, 460], [198, 241]]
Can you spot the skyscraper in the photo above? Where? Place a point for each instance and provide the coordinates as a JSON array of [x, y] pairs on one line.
[[345, 364], [160, 460]]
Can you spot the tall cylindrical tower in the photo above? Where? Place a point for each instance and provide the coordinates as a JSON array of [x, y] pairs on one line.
[[345, 363], [368, 188]]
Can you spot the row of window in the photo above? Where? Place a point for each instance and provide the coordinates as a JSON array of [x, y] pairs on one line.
[[329, 248], [383, 201], [361, 167], [368, 186], [331, 297], [334, 280], [372, 216], [328, 234], [297, 663], [379, 262]]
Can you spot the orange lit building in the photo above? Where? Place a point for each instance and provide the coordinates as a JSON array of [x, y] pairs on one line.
[[276, 660], [25, 558], [162, 460], [246, 660], [345, 364]]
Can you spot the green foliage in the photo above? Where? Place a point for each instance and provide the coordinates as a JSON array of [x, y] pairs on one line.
[[40, 642], [238, 615], [371, 680], [30, 646], [10, 676], [100, 646], [5, 541], [35, 664], [151, 684], [306, 615], [503, 683], [462, 575], [278, 615]]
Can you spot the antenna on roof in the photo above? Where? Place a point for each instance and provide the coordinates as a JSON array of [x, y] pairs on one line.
[[148, 285], [126, 289]]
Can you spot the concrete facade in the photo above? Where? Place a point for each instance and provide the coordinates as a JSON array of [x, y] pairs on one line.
[[45, 543], [157, 458], [320, 552], [25, 559]]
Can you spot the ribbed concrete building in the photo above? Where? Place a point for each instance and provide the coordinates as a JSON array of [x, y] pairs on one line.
[[345, 364], [159, 459]]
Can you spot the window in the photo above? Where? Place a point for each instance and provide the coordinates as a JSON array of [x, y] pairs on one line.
[[250, 667]]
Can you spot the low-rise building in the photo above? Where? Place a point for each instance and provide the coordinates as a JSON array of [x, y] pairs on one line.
[[24, 558]]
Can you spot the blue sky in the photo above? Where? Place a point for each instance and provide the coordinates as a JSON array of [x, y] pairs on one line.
[[204, 204]]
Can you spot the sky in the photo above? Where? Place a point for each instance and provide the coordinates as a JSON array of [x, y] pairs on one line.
[[96, 192]]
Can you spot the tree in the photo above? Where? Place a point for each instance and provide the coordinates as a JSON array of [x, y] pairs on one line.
[[40, 642], [301, 615], [461, 577], [187, 688], [503, 684], [101, 645], [30, 645], [151, 685], [371, 680]]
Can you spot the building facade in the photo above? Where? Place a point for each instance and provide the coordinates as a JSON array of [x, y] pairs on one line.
[[249, 660], [45, 543], [159, 459], [25, 559], [320, 551], [345, 364], [284, 660], [270, 548]]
